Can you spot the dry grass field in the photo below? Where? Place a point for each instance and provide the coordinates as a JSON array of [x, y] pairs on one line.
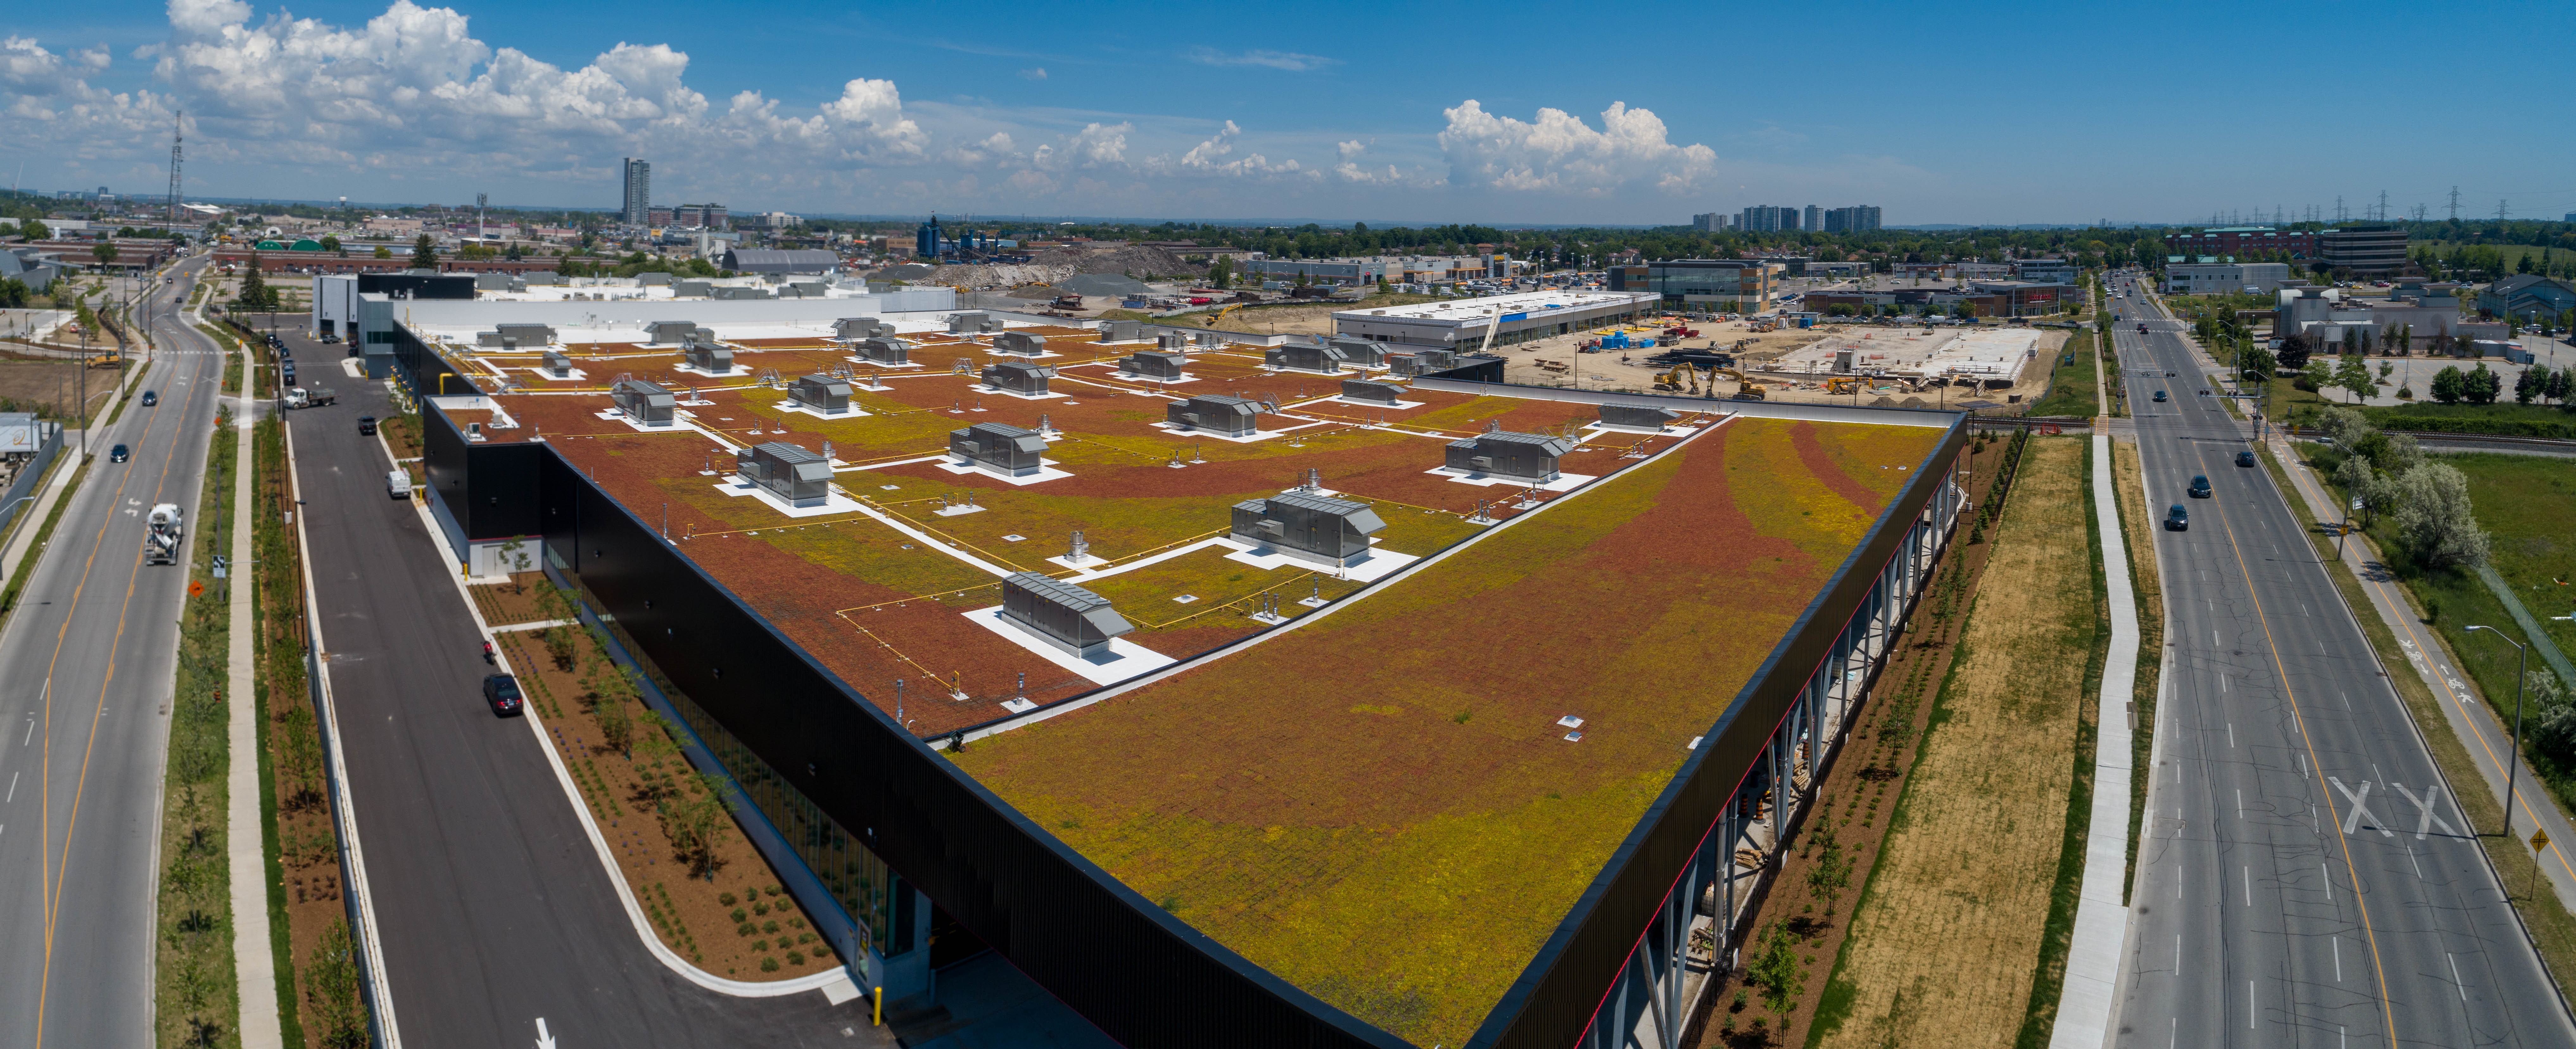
[[1944, 945], [2138, 527]]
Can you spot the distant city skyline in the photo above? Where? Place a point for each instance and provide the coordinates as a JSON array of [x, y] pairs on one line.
[[909, 110]]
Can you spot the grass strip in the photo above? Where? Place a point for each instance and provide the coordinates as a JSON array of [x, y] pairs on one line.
[[2551, 927], [275, 564], [2070, 385], [2057, 937], [2147, 586], [196, 997]]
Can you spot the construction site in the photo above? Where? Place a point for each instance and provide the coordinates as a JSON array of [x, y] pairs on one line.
[[1145, 658], [1911, 366]]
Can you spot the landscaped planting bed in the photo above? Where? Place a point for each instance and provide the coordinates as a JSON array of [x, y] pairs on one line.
[[1361, 817], [1948, 936], [708, 893]]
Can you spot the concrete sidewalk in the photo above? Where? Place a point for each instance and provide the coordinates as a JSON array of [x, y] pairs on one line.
[[254, 963], [2101, 914], [2486, 737]]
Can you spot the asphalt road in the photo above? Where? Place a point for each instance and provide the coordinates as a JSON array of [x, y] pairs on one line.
[[89, 658], [493, 907], [2305, 878]]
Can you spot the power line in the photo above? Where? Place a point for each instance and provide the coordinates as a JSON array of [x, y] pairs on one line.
[[178, 123]]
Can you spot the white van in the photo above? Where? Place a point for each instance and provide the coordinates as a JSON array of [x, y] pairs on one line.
[[398, 484]]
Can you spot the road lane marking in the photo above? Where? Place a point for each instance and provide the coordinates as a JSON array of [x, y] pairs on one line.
[[2426, 805], [2328, 874], [2379, 967], [2463, 985], [2249, 884], [2240, 803], [52, 879], [2231, 735], [2338, 957]]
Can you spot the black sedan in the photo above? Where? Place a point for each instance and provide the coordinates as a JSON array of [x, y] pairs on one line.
[[502, 692], [2177, 519], [151, 398], [118, 454], [2244, 458]]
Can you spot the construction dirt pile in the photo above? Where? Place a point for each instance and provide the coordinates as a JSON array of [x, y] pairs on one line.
[[998, 275], [1134, 260]]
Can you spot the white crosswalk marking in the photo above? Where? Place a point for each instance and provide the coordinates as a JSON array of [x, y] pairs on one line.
[[2360, 807]]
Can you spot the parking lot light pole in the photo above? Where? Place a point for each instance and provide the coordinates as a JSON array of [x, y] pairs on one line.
[[2522, 666]]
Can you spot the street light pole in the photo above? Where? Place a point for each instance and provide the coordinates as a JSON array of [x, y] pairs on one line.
[[2522, 666]]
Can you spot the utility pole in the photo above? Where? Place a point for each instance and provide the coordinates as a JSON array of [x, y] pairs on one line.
[[2499, 209], [178, 123], [2383, 205], [2455, 203], [2340, 213]]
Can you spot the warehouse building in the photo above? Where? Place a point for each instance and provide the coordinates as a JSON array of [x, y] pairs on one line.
[[1462, 324]]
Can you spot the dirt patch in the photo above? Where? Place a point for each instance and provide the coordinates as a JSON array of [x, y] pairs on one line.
[[1947, 939], [521, 600], [1133, 260], [51, 387], [1000, 275]]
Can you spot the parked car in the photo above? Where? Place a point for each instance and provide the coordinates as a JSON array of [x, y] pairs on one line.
[[150, 398], [366, 426], [502, 692], [398, 484], [2177, 519], [118, 454], [2200, 486]]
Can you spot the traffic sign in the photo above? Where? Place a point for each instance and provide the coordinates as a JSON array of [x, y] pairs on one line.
[[196, 588], [2539, 840]]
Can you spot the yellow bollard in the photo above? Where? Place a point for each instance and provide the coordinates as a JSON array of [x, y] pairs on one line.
[[879, 1019]]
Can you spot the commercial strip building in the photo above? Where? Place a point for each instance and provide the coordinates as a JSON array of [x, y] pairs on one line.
[[1988, 298], [2528, 297], [1709, 746], [2409, 320], [1520, 317], [1396, 269], [1722, 285]]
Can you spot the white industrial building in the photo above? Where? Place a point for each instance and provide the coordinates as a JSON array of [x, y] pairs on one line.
[[2225, 278], [1462, 323]]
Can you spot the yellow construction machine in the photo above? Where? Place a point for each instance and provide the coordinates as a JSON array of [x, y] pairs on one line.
[[1746, 389], [1842, 384], [1681, 378]]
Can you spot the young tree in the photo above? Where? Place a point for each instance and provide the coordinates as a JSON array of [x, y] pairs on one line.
[[2353, 377], [2450, 384], [34, 230], [424, 253], [1221, 272], [2560, 382], [2318, 374], [692, 817], [2346, 427], [105, 251], [2435, 518], [1777, 970], [2533, 382], [2482, 386], [384, 252], [331, 243]]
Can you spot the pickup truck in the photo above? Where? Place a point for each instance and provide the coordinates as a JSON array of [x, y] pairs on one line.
[[299, 397]]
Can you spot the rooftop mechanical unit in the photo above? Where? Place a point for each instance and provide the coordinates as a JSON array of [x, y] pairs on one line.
[[1312, 527], [1061, 614], [1154, 364], [693, 289], [671, 333], [860, 328], [885, 349], [1520, 456], [973, 323], [644, 402], [822, 393], [1121, 331], [1636, 418], [1372, 391], [1361, 352], [1305, 357], [732, 291], [1421, 362], [1172, 342], [1020, 377], [1000, 447], [708, 357], [800, 477], [1020, 344], [527, 334], [558, 365], [1215, 413]]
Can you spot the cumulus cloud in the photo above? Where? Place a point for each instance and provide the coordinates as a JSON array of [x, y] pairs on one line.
[[1038, 73], [1209, 158], [1290, 61], [1559, 153], [1096, 145], [1350, 149]]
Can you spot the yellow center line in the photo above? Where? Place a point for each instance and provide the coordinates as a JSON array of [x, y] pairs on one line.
[[50, 878], [2359, 896]]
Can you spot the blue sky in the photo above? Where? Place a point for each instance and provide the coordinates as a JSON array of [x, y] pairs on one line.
[[1998, 113]]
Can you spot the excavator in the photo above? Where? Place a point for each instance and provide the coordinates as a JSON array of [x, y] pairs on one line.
[[1745, 388], [1841, 384], [1682, 378]]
